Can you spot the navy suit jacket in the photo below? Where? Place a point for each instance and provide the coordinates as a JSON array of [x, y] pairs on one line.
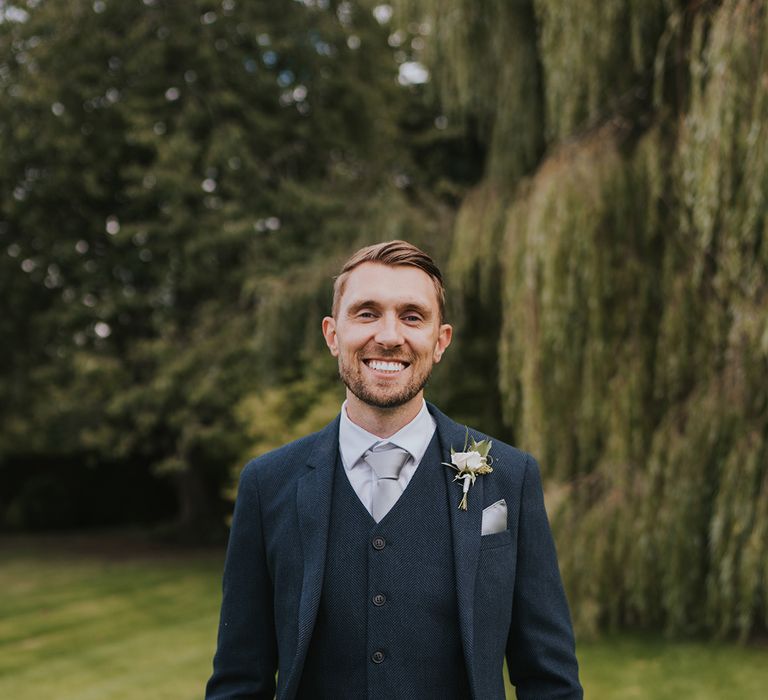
[[510, 599]]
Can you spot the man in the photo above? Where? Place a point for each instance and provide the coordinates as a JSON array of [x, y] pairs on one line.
[[352, 571]]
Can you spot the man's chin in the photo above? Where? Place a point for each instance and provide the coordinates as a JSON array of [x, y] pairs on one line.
[[384, 401], [387, 404]]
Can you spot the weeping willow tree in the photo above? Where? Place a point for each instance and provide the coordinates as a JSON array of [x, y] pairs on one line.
[[624, 213]]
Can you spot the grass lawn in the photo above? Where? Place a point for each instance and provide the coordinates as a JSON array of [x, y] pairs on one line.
[[105, 618], [113, 617], [636, 668]]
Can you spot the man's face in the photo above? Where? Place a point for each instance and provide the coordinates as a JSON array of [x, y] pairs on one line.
[[387, 333]]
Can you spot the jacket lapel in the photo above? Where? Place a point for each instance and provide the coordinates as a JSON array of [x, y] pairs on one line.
[[465, 527], [313, 500]]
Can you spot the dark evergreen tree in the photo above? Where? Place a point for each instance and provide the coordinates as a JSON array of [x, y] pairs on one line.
[[177, 183]]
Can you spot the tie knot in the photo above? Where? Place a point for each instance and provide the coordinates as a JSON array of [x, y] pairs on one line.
[[387, 464]]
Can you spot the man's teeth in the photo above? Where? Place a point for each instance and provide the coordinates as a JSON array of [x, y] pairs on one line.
[[386, 366]]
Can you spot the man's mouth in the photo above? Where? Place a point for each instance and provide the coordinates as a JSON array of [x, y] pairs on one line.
[[386, 365]]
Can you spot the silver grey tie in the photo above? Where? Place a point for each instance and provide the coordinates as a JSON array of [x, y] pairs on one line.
[[386, 465]]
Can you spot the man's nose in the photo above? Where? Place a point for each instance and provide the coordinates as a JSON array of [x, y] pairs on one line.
[[388, 332]]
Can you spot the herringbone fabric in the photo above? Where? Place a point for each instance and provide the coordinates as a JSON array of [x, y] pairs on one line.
[[388, 588]]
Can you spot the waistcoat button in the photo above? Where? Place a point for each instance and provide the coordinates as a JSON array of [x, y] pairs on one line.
[[377, 657], [379, 599], [379, 543]]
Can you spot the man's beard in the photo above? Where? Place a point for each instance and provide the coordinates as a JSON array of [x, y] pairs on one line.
[[380, 399]]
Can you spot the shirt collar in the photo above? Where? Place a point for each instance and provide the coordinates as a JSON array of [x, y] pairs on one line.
[[413, 437]]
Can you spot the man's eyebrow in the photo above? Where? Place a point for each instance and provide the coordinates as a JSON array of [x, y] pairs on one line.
[[425, 311], [356, 306]]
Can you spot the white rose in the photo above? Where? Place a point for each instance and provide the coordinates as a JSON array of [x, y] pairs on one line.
[[474, 460], [459, 459], [463, 460]]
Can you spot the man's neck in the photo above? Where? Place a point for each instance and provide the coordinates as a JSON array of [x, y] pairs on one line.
[[382, 422]]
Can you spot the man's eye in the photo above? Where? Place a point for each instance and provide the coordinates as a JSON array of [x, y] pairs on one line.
[[365, 314], [411, 318]]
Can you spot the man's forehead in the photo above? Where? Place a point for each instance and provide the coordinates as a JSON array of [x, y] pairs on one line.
[[401, 284]]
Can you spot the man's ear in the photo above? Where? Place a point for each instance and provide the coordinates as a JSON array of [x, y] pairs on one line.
[[444, 336], [329, 333]]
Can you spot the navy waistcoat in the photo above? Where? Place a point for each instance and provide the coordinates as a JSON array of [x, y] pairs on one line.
[[387, 626]]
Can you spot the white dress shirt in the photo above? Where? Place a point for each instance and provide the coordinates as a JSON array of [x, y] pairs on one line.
[[355, 441]]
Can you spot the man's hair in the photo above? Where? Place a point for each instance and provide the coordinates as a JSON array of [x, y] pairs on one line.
[[391, 253]]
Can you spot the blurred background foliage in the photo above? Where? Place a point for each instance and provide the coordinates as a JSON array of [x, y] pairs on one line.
[[180, 181]]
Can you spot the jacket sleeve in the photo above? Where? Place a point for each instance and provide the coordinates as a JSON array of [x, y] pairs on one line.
[[245, 663], [540, 648]]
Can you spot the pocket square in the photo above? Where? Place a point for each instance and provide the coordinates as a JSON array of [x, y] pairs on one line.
[[494, 518]]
